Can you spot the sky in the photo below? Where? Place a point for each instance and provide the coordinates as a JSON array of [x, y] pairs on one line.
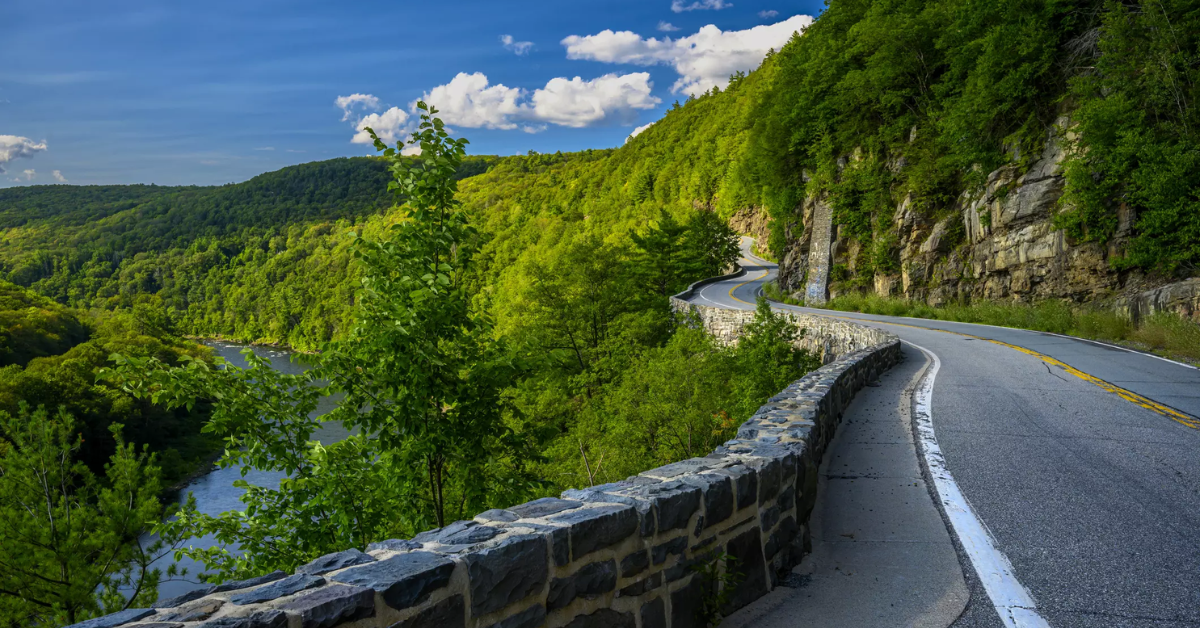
[[207, 92]]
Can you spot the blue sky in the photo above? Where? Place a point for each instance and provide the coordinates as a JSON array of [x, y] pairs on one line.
[[217, 91]]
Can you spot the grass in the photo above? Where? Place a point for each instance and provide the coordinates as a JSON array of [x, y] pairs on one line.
[[1163, 333]]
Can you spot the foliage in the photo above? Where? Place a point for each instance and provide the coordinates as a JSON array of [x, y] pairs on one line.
[[69, 545], [1138, 133], [678, 401], [719, 579], [420, 380], [1162, 332]]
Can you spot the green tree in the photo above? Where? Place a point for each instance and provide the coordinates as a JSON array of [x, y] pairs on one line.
[[69, 541]]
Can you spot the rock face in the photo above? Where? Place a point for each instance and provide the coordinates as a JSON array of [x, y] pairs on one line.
[[625, 554], [996, 243]]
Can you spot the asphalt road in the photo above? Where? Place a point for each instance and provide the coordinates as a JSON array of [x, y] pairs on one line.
[[1082, 460]]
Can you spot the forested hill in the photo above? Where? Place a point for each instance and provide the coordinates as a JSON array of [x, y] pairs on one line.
[[52, 227]]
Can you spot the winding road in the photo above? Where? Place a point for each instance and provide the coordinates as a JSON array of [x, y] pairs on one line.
[[1066, 474]]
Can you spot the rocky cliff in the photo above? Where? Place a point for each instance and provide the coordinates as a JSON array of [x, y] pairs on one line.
[[995, 243]]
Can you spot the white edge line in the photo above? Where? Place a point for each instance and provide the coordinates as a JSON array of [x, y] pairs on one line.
[[1012, 600]]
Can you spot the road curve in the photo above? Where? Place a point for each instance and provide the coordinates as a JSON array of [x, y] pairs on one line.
[[1082, 461]]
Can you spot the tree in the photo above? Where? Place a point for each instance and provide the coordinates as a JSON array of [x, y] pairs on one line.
[[69, 541], [420, 377]]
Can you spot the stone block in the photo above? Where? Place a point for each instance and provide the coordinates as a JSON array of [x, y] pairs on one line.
[[449, 613], [747, 556], [532, 617], [543, 507], [718, 496], [332, 605], [745, 481], [644, 507], [604, 618], [180, 600], [635, 563], [402, 581], [250, 582], [497, 515], [641, 586], [686, 605], [589, 581], [674, 503], [263, 619], [394, 545], [654, 614], [197, 610], [674, 547], [278, 589], [334, 562], [507, 573], [115, 619], [598, 527]]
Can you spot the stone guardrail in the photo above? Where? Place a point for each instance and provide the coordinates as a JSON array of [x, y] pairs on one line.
[[823, 335], [640, 553]]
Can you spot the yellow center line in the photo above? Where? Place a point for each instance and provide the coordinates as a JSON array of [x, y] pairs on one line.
[[765, 273], [1128, 395]]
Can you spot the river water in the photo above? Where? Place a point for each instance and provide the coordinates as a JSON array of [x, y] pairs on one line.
[[214, 491]]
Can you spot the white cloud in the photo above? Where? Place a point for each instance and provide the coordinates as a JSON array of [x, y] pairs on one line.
[[30, 175], [638, 131], [389, 126], [348, 103], [15, 147], [518, 47], [469, 101], [703, 60], [679, 6], [58, 176], [579, 103], [270, 147], [667, 27], [768, 14]]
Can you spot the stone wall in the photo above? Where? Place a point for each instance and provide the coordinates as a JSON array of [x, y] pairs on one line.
[[632, 554], [825, 336]]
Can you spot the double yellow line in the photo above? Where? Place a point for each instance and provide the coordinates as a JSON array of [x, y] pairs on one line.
[[1128, 395]]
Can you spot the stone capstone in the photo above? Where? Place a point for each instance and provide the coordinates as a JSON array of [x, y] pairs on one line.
[[394, 545], [506, 573], [542, 507], [115, 619], [250, 582], [589, 581], [186, 597], [334, 562], [198, 610], [332, 605], [264, 619], [402, 581], [278, 589], [598, 527]]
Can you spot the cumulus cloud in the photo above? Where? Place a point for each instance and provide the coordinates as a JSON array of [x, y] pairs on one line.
[[389, 126], [58, 176], [579, 103], [30, 175], [517, 47], [703, 60], [679, 6], [16, 147], [349, 103], [768, 14], [469, 101], [638, 131], [667, 27]]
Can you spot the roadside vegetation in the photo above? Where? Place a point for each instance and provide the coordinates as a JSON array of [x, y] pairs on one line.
[[1162, 333]]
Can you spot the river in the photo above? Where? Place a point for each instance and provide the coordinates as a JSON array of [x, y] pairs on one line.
[[214, 491]]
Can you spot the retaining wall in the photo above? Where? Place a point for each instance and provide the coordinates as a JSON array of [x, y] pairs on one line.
[[633, 554]]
